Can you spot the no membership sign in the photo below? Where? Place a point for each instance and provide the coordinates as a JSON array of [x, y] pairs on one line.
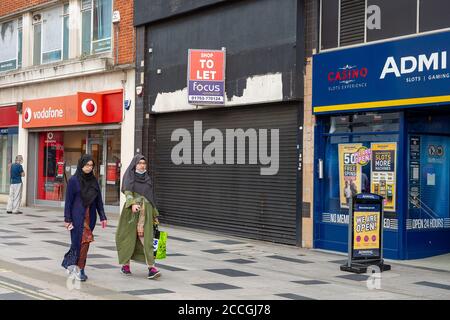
[[206, 77]]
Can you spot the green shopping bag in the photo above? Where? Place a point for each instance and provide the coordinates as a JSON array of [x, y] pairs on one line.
[[159, 244]]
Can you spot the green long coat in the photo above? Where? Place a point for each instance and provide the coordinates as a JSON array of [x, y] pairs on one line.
[[128, 245]]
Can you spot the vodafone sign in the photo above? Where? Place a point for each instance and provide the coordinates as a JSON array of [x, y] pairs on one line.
[[27, 115], [89, 107], [79, 109], [45, 113]]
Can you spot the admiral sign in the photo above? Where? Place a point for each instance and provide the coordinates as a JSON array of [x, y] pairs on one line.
[[411, 72]]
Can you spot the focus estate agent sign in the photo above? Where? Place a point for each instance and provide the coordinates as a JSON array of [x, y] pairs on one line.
[[206, 77]]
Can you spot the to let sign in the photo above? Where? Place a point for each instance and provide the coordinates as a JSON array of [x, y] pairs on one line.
[[206, 77]]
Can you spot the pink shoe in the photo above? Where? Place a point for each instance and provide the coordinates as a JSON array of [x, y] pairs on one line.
[[153, 273], [126, 270]]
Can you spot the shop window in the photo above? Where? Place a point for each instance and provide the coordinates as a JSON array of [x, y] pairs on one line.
[[8, 151], [96, 26], [58, 157], [365, 122], [50, 161], [345, 176], [51, 166], [360, 155], [9, 44]]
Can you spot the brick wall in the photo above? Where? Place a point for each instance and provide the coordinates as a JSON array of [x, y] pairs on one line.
[[311, 11], [311, 30], [11, 6], [126, 31]]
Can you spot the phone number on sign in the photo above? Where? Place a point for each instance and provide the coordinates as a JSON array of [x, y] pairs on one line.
[[206, 98]]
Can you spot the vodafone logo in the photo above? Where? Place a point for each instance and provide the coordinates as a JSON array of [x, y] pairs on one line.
[[89, 107], [27, 115]]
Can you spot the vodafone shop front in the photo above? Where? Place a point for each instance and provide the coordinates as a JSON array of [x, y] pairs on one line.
[[62, 129]]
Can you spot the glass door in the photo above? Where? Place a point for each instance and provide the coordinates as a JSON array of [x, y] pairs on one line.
[[96, 149], [104, 146], [428, 222], [113, 166]]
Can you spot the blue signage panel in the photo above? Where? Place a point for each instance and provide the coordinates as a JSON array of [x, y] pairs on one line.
[[403, 73], [9, 131]]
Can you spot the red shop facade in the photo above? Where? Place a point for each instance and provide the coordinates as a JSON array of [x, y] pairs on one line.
[[62, 129]]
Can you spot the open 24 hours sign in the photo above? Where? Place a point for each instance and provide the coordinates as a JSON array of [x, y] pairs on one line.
[[206, 77]]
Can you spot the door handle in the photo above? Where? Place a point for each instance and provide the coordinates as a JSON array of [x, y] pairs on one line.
[[320, 168]]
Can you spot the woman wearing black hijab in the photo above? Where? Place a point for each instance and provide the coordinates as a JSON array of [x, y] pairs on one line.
[[83, 201], [134, 237]]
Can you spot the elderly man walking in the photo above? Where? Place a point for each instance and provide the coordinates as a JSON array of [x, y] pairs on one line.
[[15, 189]]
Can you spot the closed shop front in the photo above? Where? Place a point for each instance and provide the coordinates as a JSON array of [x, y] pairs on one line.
[[219, 114], [230, 196]]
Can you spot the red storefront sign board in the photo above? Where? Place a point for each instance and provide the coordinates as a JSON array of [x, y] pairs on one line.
[[9, 117], [80, 109]]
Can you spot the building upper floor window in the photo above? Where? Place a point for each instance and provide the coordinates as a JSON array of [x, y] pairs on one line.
[[434, 15], [96, 26], [347, 22], [10, 44], [50, 35]]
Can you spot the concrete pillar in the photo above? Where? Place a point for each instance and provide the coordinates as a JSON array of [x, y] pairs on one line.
[[74, 29], [128, 125], [27, 40], [23, 150]]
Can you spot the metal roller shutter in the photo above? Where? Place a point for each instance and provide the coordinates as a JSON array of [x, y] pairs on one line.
[[233, 199]]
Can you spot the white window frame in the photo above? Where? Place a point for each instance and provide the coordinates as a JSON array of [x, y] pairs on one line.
[[91, 40], [19, 29], [17, 47], [65, 15], [34, 24], [41, 62]]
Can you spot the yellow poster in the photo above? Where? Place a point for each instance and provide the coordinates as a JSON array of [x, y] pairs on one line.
[[383, 172], [349, 172], [366, 231]]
